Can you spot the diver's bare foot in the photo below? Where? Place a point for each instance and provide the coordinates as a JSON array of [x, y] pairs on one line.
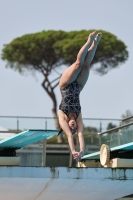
[[98, 37], [91, 37]]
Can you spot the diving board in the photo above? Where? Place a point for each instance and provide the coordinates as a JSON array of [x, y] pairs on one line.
[[25, 138], [9, 146], [96, 155], [124, 147], [119, 156], [92, 156]]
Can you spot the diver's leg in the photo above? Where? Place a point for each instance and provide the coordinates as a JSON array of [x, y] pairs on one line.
[[84, 50], [72, 72], [84, 74]]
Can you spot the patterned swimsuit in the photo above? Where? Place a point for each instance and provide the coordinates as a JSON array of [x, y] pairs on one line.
[[70, 99]]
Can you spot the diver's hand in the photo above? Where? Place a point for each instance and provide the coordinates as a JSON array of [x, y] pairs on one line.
[[78, 156], [75, 154]]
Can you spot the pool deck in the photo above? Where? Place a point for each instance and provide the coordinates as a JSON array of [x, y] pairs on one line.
[[38, 183]]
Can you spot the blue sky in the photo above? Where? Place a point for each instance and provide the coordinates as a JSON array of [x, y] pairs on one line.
[[107, 96]]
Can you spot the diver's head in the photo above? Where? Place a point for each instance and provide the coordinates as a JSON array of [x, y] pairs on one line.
[[73, 126]]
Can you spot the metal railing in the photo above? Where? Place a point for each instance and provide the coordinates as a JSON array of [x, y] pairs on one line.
[[17, 123], [121, 135], [115, 129], [126, 119]]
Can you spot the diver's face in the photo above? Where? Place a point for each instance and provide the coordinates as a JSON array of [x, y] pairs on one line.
[[73, 126]]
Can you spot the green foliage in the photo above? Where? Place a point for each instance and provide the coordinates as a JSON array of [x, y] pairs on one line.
[[128, 113], [110, 126], [90, 130], [53, 140], [54, 48]]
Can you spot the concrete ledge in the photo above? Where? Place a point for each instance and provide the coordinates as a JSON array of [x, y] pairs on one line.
[[59, 183], [66, 173], [120, 163], [89, 163], [10, 161]]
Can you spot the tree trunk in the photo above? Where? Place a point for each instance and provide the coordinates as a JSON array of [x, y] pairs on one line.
[[60, 137], [50, 91]]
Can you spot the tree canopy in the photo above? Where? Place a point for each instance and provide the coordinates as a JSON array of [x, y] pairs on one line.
[[51, 49]]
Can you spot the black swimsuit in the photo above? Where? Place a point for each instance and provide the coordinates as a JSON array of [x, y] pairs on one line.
[[70, 99]]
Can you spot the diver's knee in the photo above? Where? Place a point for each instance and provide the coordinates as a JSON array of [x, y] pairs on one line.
[[78, 65]]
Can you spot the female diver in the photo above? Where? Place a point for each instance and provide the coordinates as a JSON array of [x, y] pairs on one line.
[[71, 84]]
